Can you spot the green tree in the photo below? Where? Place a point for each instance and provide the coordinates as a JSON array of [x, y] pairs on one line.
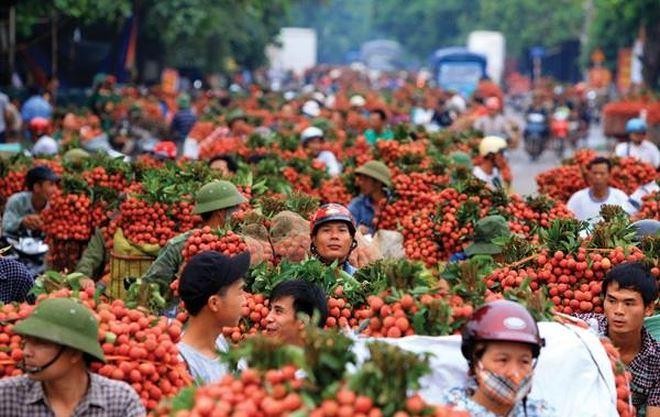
[[31, 12], [616, 25], [207, 33], [526, 23]]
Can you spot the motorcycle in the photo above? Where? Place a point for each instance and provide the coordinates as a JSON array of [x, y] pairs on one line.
[[535, 134], [28, 250], [560, 128]]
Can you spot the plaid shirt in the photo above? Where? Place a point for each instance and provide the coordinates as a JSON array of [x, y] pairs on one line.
[[645, 367], [22, 397], [15, 281]]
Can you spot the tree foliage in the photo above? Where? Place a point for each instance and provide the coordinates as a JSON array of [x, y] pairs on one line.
[[616, 25]]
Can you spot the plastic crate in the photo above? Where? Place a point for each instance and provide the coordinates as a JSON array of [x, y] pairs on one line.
[[123, 267]]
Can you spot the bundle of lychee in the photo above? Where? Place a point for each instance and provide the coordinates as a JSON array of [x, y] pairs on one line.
[[622, 379], [573, 280], [650, 207], [219, 240], [67, 224], [140, 348]]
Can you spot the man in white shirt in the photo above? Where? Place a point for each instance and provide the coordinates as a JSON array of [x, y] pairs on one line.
[[312, 139], [586, 204], [637, 146]]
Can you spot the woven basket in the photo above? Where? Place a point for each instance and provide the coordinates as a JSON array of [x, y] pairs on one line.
[[125, 266]]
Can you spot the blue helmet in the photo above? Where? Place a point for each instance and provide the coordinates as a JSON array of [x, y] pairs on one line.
[[636, 125]]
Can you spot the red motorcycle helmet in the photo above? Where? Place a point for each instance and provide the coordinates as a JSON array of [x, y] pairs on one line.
[[332, 213], [501, 321], [39, 126]]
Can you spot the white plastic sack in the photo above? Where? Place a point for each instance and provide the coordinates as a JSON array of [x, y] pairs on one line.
[[573, 373]]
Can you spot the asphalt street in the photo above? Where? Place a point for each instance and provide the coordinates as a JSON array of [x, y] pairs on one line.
[[524, 171]]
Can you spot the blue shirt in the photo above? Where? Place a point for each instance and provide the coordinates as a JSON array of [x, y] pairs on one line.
[[36, 106], [182, 123], [348, 268], [363, 211]]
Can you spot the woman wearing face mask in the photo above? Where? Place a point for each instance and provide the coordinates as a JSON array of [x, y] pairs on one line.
[[501, 343]]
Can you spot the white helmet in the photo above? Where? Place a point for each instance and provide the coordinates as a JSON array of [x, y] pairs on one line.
[[357, 101], [310, 133], [311, 108], [491, 144], [457, 103]]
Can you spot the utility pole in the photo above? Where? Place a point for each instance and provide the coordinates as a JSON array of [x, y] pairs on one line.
[[53, 42]]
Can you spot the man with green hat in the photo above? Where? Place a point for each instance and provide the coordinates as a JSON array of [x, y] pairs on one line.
[[60, 340], [214, 202], [486, 231], [374, 180]]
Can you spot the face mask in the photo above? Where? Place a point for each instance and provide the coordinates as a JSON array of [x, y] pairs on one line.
[[503, 389]]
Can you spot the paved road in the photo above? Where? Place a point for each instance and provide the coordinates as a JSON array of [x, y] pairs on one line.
[[524, 171]]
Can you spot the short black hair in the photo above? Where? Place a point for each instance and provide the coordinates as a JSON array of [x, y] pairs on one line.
[[381, 113], [633, 276], [207, 274], [37, 175], [232, 166], [600, 160], [307, 298]]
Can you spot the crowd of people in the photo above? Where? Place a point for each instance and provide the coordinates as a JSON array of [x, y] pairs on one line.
[[501, 342]]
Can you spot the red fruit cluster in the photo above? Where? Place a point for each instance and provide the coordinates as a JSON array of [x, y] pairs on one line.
[[388, 320], [10, 343], [453, 228], [525, 216], [300, 182], [253, 318], [68, 217], [144, 223], [650, 207], [12, 183], [274, 393], [141, 350], [622, 380], [628, 174], [561, 182], [206, 239], [333, 190], [100, 177], [340, 313], [573, 281]]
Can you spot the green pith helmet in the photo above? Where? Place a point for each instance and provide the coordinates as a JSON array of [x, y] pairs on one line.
[[485, 231], [183, 101], [461, 159], [376, 170], [235, 115], [75, 156], [66, 322], [217, 195]]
